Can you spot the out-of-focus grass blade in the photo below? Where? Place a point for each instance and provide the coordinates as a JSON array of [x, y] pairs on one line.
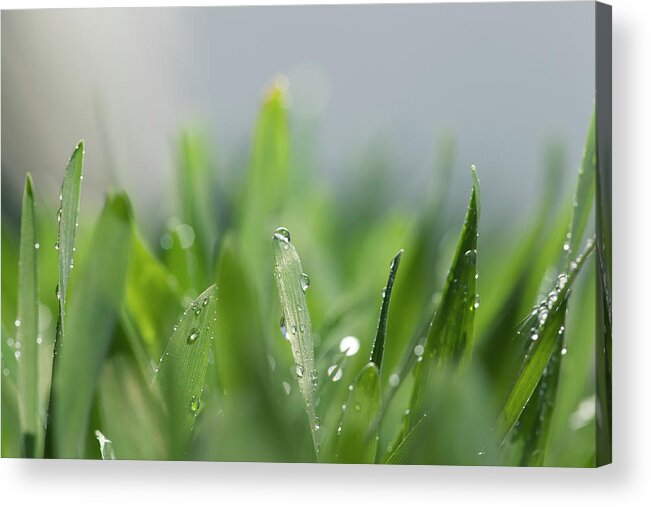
[[27, 328], [381, 333], [153, 298], [238, 336], [450, 336], [9, 277], [196, 185], [181, 374], [292, 283], [10, 427], [130, 410], [94, 309], [358, 428], [180, 258], [105, 446], [266, 184], [541, 328]]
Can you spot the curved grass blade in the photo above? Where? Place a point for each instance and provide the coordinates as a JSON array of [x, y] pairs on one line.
[[181, 374], [27, 329], [358, 428], [381, 333], [541, 328], [450, 336], [94, 310], [291, 282]]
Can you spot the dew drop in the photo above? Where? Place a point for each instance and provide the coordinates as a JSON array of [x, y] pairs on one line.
[[305, 282], [283, 327], [299, 371], [205, 301], [39, 340], [193, 336], [17, 323], [534, 336], [287, 388], [563, 351], [566, 247], [335, 372], [17, 354], [56, 245], [394, 380], [476, 304], [195, 403], [6, 372], [419, 350], [37, 246], [282, 234]]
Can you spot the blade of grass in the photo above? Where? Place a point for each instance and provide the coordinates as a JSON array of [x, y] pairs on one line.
[[153, 298], [292, 283], [181, 374], [381, 333], [94, 310], [542, 330], [27, 328], [450, 336], [358, 428], [10, 427], [67, 217]]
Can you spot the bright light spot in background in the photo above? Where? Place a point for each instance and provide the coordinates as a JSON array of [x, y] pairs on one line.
[[349, 345]]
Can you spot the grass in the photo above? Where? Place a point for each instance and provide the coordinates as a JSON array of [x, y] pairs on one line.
[[233, 339]]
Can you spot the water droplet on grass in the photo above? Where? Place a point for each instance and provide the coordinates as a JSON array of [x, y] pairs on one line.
[[37, 246], [283, 234], [193, 336], [394, 380], [305, 282], [287, 388], [283, 327], [419, 350], [195, 403], [335, 372], [299, 371]]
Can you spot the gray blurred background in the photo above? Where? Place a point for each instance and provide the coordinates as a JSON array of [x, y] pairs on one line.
[[367, 82]]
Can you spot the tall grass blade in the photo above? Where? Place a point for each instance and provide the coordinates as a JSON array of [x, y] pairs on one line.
[[358, 428], [67, 217], [94, 311], [292, 283], [181, 374], [381, 333], [541, 328], [450, 336], [27, 329]]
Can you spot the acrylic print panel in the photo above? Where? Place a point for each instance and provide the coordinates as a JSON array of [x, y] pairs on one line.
[[334, 234]]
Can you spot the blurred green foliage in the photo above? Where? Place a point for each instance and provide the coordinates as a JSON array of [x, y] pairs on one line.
[[215, 344]]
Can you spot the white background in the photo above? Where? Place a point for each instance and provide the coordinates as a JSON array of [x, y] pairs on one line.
[[626, 482]]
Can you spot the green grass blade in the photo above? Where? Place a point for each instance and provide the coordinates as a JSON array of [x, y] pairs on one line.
[[27, 328], [541, 328], [584, 197], [153, 298], [358, 428], [68, 218], [181, 374], [94, 310], [239, 349], [292, 283], [130, 410], [381, 333], [450, 336]]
